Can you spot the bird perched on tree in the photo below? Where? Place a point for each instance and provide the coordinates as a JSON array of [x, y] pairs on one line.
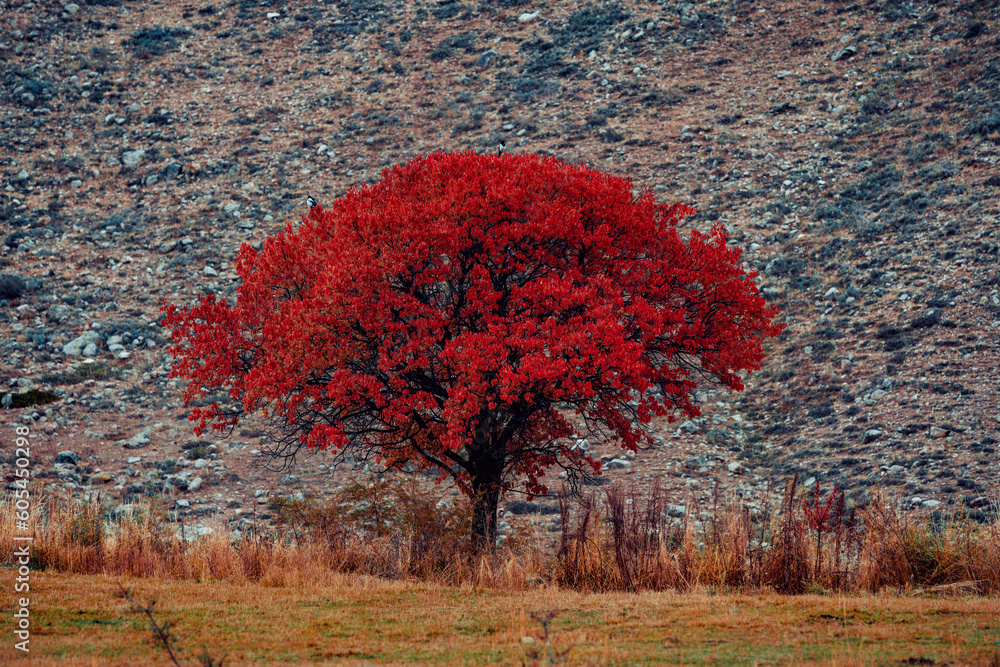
[[312, 202], [501, 147]]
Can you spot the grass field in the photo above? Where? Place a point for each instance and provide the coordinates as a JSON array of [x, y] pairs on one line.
[[78, 620]]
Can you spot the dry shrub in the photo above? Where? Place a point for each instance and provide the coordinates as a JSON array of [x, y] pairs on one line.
[[883, 559], [627, 542], [787, 564]]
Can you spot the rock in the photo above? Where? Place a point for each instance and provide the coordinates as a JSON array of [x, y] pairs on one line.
[[194, 484], [200, 463], [169, 246], [930, 503], [189, 533], [777, 267], [874, 397], [736, 468], [133, 158], [71, 8], [871, 435], [830, 293], [67, 457], [487, 58], [937, 432], [133, 459], [171, 171], [181, 502], [617, 464], [209, 271], [137, 441], [784, 107], [527, 16], [527, 640], [677, 511], [809, 482], [845, 53], [58, 313], [245, 224], [83, 344], [690, 427]]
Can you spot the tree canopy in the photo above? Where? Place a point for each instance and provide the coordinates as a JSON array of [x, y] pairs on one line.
[[475, 314]]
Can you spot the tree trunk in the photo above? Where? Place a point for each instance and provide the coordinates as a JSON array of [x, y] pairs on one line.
[[485, 498], [486, 459]]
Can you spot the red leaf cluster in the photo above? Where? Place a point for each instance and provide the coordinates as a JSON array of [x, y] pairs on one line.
[[473, 312]]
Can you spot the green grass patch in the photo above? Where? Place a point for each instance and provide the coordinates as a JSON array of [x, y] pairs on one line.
[[392, 622], [30, 398]]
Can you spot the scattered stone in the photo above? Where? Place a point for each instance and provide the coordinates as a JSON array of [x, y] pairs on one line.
[[845, 53], [736, 468], [133, 158], [937, 432], [83, 344], [527, 16], [874, 397], [194, 484], [689, 427], [67, 457], [137, 441], [171, 171], [871, 435]]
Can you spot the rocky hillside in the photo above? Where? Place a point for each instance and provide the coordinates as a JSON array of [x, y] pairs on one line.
[[851, 148]]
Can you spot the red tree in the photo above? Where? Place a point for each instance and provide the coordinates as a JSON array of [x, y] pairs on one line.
[[473, 314]]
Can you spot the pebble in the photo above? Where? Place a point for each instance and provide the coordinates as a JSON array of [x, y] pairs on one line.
[[133, 158], [67, 457], [83, 344], [137, 441], [844, 53], [871, 435]]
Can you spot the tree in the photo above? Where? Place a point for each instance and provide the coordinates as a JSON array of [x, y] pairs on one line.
[[475, 314]]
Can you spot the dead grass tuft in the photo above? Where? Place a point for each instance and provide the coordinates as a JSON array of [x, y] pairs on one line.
[[620, 540]]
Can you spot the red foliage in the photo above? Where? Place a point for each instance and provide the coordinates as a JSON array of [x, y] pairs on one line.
[[471, 313], [817, 513]]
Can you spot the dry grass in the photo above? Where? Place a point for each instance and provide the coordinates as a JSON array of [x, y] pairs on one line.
[[623, 541]]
